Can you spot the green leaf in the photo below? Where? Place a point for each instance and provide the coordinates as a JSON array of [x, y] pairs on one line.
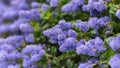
[[69, 64], [116, 26], [46, 15]]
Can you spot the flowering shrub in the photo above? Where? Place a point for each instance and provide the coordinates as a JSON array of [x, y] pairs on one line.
[[59, 34]]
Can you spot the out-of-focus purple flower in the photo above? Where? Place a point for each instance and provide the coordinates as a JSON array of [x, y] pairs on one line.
[[54, 3], [10, 15], [45, 7], [118, 14], [29, 38], [16, 41], [115, 61], [24, 14], [26, 28], [23, 6], [114, 43], [35, 14], [7, 47], [73, 6], [4, 28], [13, 66], [34, 4]]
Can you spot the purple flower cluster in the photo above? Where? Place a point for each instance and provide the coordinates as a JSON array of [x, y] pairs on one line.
[[73, 6], [90, 64], [15, 18], [19, 14], [15, 21], [10, 54], [114, 43], [115, 61], [95, 23], [63, 34], [92, 48], [94, 7], [35, 5], [32, 54]]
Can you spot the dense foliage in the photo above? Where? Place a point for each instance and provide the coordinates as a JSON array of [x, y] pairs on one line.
[[59, 34]]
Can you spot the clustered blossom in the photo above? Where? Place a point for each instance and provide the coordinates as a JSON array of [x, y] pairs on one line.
[[114, 43], [91, 63], [92, 47], [63, 34], [15, 18], [95, 23], [16, 32], [115, 61], [73, 6], [19, 15], [95, 7], [32, 54], [10, 55]]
